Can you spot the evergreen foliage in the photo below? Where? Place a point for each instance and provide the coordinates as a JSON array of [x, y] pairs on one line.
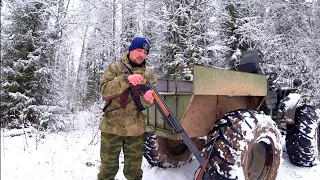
[[28, 54], [53, 54]]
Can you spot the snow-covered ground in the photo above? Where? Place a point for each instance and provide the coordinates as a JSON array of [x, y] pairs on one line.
[[74, 155]]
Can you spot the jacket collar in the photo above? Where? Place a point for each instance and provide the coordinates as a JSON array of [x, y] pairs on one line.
[[125, 60]]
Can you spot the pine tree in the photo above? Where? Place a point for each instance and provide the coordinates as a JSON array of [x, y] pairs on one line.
[[28, 55], [187, 37], [235, 20]]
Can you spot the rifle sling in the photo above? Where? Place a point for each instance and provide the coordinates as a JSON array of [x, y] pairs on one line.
[[124, 96], [106, 106], [135, 95]]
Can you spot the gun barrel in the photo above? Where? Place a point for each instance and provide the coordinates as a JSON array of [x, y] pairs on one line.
[[172, 121]]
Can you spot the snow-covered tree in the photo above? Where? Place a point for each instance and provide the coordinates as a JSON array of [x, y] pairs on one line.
[[28, 56], [35, 57], [188, 34], [151, 26], [284, 32], [101, 47], [288, 40], [130, 13]]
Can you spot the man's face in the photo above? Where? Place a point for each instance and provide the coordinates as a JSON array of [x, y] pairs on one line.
[[138, 55]]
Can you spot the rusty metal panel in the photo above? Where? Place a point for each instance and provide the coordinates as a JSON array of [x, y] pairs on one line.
[[163, 85], [170, 86], [151, 120], [172, 104], [183, 101], [200, 103], [154, 118], [159, 121], [204, 111], [184, 87], [163, 133], [211, 81], [228, 104], [200, 115], [197, 114], [254, 102], [178, 104]]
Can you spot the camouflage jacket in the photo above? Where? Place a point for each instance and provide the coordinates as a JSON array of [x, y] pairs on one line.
[[128, 121]]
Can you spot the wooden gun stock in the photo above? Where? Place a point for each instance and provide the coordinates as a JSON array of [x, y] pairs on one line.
[[172, 121], [161, 105]]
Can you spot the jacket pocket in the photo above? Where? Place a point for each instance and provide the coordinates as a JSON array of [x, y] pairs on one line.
[[142, 116], [113, 117]]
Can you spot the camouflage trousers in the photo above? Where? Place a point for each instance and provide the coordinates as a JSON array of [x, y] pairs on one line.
[[109, 153]]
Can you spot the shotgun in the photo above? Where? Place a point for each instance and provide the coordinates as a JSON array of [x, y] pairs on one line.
[[172, 121]]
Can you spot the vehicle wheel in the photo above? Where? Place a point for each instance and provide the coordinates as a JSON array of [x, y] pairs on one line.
[[165, 153], [302, 140], [245, 145]]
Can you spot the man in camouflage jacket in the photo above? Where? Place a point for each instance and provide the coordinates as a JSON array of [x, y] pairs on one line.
[[124, 127]]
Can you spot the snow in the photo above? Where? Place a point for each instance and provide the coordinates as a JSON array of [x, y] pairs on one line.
[[265, 140], [249, 125], [291, 100], [74, 155], [18, 95], [16, 132]]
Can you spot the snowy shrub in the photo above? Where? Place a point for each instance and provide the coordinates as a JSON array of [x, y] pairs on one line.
[[46, 117]]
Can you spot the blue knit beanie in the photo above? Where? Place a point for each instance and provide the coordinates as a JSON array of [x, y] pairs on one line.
[[141, 43]]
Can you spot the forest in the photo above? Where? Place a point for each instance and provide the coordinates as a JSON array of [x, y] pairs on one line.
[[53, 52]]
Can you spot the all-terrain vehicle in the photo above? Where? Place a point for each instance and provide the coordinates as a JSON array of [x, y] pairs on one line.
[[235, 119]]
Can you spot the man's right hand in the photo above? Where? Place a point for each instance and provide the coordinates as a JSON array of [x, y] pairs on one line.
[[135, 79]]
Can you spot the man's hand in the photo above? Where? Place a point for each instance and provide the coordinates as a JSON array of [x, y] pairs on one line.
[[135, 79], [148, 96]]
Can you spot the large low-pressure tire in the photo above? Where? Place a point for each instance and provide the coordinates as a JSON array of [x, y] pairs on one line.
[[302, 140], [244, 145], [165, 153]]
